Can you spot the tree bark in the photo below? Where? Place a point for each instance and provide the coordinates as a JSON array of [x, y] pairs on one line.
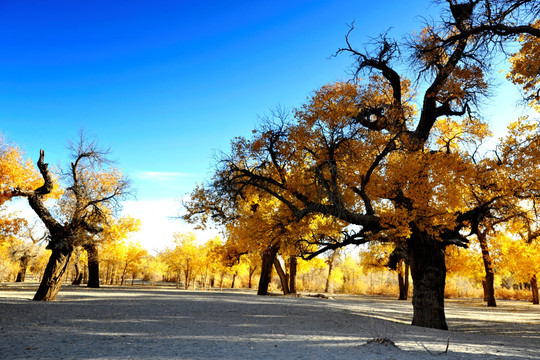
[[282, 276], [403, 281], [113, 274], [187, 274], [78, 276], [330, 268], [488, 285], [53, 275], [93, 265], [268, 256], [252, 270], [428, 270], [293, 262], [23, 262], [534, 290]]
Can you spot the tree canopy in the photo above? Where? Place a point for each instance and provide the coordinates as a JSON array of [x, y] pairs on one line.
[[398, 157]]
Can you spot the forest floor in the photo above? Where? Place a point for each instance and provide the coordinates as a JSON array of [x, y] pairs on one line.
[[165, 323]]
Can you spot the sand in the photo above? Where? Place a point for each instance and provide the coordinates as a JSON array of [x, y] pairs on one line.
[[165, 323]]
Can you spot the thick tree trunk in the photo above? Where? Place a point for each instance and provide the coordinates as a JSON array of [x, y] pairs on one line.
[[282, 276], [534, 290], [488, 284], [78, 276], [293, 262], [53, 275], [85, 274], [23, 262], [403, 281], [93, 265], [268, 257], [233, 280], [428, 270], [77, 273]]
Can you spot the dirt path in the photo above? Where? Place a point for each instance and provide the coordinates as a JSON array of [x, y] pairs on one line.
[[161, 323]]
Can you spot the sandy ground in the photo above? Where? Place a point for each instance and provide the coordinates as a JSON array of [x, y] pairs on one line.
[[165, 323]]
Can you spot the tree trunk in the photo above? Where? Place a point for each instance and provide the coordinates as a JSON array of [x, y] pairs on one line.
[[124, 272], [403, 281], [268, 257], [282, 276], [93, 265], [21, 275], [53, 275], [428, 270], [113, 274], [78, 277], [293, 262], [233, 280], [488, 285], [252, 270], [186, 278], [330, 268], [85, 274], [534, 290]]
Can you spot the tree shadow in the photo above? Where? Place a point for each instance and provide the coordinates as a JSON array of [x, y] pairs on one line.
[[144, 323]]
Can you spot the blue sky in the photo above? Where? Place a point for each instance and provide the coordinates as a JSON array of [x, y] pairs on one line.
[[165, 84]]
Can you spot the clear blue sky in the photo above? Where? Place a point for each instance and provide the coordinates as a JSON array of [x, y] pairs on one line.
[[165, 83]]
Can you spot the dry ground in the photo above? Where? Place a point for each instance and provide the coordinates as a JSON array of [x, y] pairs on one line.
[[165, 323]]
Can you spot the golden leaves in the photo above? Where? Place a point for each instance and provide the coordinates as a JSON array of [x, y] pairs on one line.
[[15, 172], [525, 67]]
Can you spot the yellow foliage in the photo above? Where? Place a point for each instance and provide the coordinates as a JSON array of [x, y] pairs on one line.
[[524, 67], [15, 172]]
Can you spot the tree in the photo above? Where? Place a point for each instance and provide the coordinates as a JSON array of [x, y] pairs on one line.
[[521, 260], [25, 249], [524, 69], [184, 259], [15, 172], [362, 153], [114, 231], [92, 190], [131, 260]]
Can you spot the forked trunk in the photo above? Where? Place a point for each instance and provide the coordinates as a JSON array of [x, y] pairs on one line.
[[534, 290], [93, 265], [282, 276], [53, 275], [428, 270], [268, 257]]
